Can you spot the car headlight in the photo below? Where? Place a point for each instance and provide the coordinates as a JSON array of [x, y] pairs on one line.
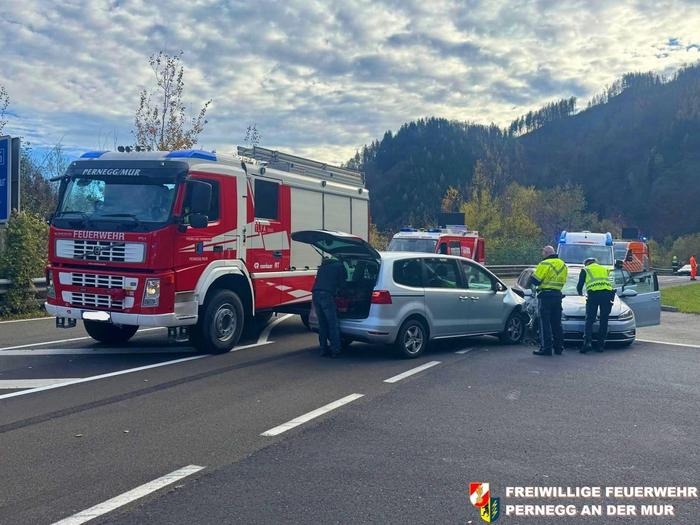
[[151, 293], [626, 315]]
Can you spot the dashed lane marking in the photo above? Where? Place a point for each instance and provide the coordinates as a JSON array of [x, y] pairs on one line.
[[12, 384], [411, 372], [686, 345], [311, 415], [127, 497], [464, 351]]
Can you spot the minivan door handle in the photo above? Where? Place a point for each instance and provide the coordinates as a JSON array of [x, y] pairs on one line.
[[463, 298]]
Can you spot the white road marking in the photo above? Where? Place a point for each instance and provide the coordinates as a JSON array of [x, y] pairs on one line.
[[266, 332], [667, 343], [464, 351], [7, 384], [311, 415], [411, 372], [98, 351], [127, 497], [513, 395], [45, 343], [101, 376], [25, 320]]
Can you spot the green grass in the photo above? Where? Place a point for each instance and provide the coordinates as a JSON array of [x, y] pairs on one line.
[[686, 298], [39, 312]]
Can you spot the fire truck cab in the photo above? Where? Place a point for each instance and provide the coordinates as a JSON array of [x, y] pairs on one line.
[[451, 240], [195, 241]]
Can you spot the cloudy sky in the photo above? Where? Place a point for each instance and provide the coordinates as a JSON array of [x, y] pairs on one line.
[[321, 78]]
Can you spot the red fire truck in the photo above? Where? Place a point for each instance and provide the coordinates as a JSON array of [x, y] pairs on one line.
[[450, 240], [195, 241]]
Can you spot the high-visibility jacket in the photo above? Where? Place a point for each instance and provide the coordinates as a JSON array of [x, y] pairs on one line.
[[551, 274], [597, 278]]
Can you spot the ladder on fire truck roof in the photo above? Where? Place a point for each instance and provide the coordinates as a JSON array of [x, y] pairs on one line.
[[301, 166]]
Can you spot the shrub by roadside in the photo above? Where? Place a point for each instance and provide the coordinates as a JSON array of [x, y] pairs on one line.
[[686, 298], [24, 258]]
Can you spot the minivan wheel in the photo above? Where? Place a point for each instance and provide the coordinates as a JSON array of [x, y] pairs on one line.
[[514, 331], [412, 339]]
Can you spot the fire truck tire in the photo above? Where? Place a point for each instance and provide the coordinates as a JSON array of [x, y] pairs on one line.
[[109, 333], [220, 323]]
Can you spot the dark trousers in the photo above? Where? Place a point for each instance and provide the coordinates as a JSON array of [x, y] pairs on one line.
[[327, 313], [550, 322], [598, 301]]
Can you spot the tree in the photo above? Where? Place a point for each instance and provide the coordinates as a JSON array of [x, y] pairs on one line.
[[4, 103], [452, 201], [161, 121], [252, 135], [38, 194]]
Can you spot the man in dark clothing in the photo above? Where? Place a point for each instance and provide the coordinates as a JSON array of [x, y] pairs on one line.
[[330, 276], [549, 278], [599, 296]]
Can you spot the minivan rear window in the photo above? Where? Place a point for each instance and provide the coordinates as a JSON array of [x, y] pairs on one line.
[[409, 272]]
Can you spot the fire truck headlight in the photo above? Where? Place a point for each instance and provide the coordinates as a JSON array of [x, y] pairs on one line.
[[151, 293], [50, 289]]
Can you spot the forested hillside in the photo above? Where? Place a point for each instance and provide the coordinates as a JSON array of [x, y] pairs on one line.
[[635, 151]]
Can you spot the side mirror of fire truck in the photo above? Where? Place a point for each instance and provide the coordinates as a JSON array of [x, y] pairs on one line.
[[200, 202]]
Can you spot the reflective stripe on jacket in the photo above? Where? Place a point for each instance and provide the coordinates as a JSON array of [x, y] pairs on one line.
[[551, 274], [597, 278]]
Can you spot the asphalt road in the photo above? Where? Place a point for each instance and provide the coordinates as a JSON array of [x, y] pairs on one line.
[[403, 452]]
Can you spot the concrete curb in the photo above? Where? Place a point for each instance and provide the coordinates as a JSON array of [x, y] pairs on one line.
[[666, 308]]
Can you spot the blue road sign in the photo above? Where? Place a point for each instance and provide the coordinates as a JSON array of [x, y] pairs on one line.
[[5, 177]]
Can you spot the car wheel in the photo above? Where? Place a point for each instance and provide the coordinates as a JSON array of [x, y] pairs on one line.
[[514, 331], [412, 339], [109, 333], [220, 323]]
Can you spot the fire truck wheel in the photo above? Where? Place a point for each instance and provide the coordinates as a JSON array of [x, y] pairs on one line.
[[220, 323], [515, 329], [109, 333]]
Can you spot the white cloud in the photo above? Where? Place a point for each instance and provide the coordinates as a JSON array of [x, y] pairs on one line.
[[324, 77]]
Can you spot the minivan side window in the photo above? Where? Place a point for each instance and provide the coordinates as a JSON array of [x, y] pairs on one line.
[[409, 272], [476, 277], [442, 273]]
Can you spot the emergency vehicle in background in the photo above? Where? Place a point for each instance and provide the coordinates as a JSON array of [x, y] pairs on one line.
[[195, 241], [634, 255], [576, 247], [450, 240]]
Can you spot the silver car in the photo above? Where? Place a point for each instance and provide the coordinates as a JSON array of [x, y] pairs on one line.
[[637, 303], [408, 299]]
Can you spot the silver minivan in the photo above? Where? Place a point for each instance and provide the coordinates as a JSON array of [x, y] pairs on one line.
[[408, 299]]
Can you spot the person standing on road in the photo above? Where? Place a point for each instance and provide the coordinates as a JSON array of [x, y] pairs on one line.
[[674, 263], [599, 296], [549, 278], [329, 278], [693, 268]]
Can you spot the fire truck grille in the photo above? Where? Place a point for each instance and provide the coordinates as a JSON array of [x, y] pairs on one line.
[[97, 281], [102, 251], [92, 300]]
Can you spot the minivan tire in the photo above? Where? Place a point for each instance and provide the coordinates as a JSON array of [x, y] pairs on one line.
[[412, 339], [514, 329], [108, 332], [220, 323]]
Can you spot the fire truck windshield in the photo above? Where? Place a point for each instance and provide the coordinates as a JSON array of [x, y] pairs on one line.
[[140, 203], [412, 245], [577, 253]]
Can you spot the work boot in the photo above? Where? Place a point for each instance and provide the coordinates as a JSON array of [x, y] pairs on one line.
[[586, 348], [599, 347], [558, 351], [541, 352], [334, 354]]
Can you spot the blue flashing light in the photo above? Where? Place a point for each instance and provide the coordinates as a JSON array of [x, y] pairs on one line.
[[608, 239], [191, 154], [562, 237], [92, 154], [434, 230]]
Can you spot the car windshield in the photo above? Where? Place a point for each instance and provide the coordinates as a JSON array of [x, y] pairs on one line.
[[99, 199], [412, 245], [578, 253]]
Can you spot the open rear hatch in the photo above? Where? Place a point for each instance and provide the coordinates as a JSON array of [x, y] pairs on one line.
[[361, 264]]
